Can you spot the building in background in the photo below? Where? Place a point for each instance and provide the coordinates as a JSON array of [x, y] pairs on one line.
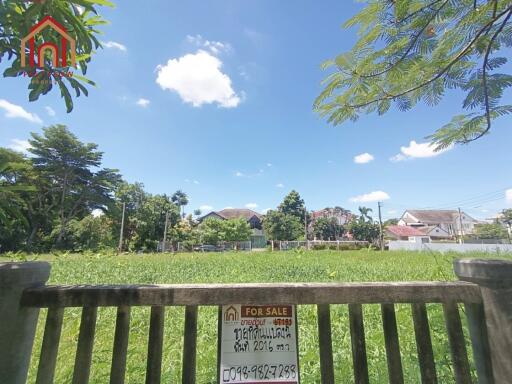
[[448, 221], [342, 216], [258, 239]]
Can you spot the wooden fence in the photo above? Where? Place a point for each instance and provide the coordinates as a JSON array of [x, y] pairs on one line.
[[486, 296]]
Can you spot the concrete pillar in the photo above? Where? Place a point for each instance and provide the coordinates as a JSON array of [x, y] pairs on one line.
[[495, 280], [18, 324]]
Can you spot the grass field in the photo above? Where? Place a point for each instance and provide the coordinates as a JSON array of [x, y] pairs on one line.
[[292, 266]]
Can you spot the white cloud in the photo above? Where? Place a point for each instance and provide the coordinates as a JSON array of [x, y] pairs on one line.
[[198, 80], [370, 197], [264, 211], [239, 174], [143, 102], [269, 164], [251, 205], [363, 158], [392, 211], [215, 47], [205, 207], [114, 45], [50, 111], [228, 207], [20, 145], [195, 182], [418, 150], [280, 185], [508, 196], [13, 111]]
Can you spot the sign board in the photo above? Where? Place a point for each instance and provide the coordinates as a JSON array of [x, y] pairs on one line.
[[258, 344]]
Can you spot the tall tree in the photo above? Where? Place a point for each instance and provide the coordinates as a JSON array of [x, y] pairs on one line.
[[80, 19], [71, 166], [180, 198], [293, 205], [280, 226], [13, 220], [415, 50], [365, 214]]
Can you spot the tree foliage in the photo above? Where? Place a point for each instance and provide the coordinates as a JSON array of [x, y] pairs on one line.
[[213, 231], [281, 226], [77, 187], [81, 20], [363, 227], [61, 197], [490, 231], [416, 50], [293, 205], [327, 229]]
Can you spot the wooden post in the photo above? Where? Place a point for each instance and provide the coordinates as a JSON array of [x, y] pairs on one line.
[[18, 324], [495, 280]]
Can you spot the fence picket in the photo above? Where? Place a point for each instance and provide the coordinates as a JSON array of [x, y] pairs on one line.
[[155, 345], [117, 371], [393, 357], [424, 344], [355, 313], [325, 341], [85, 345], [50, 347], [457, 343], [190, 345]]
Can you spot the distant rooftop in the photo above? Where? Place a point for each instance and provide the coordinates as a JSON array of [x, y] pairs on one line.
[[403, 230]]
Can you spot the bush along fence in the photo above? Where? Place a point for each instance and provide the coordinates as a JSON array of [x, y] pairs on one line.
[[338, 245], [484, 289]]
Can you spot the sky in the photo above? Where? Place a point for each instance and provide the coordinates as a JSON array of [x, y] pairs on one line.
[[215, 98]]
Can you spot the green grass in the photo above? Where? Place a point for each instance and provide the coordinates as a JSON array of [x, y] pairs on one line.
[[292, 266]]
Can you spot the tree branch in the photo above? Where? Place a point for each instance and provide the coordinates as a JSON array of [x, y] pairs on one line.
[[429, 6], [409, 49], [484, 79], [444, 70]]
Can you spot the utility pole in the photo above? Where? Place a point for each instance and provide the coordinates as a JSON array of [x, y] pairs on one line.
[[306, 225], [120, 247], [165, 231], [461, 230], [381, 235]]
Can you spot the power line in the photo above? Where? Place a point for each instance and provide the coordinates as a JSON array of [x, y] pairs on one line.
[[472, 200]]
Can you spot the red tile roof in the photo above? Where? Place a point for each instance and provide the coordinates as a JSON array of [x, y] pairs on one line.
[[403, 230]]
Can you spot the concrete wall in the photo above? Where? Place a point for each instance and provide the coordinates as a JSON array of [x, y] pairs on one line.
[[446, 247]]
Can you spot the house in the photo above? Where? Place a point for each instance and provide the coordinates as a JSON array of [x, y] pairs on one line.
[[258, 239], [448, 221], [402, 232], [435, 232]]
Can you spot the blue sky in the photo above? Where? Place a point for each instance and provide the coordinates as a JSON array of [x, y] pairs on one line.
[[215, 98]]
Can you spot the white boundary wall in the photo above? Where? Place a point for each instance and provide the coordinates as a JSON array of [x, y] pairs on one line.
[[447, 247]]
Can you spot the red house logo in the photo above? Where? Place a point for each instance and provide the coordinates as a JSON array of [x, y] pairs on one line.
[[231, 314], [59, 56]]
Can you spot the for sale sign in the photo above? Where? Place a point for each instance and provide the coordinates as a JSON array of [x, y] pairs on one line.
[[258, 344]]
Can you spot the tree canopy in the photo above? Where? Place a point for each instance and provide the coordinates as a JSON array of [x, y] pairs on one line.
[[416, 50], [80, 18], [61, 197]]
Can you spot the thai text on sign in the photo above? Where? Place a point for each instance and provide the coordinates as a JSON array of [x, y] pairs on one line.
[[258, 344]]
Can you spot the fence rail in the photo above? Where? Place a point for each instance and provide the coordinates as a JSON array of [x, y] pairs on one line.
[[222, 294], [485, 293]]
